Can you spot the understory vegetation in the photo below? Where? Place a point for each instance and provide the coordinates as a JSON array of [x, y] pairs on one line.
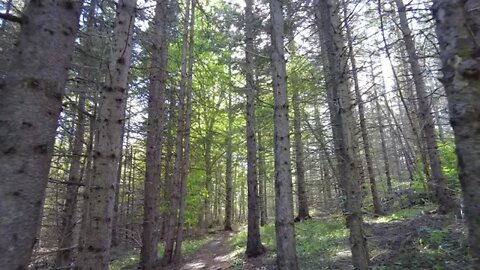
[[410, 238]]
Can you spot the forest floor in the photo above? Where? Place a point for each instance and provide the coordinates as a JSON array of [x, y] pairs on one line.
[[215, 255], [412, 238]]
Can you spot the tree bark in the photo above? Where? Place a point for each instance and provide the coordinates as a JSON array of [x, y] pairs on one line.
[[458, 30], [342, 120], [31, 99], [284, 228], [111, 118], [155, 134]]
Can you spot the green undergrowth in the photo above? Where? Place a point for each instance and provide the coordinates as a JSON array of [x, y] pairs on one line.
[[420, 241], [403, 214], [317, 241], [433, 248], [130, 261]]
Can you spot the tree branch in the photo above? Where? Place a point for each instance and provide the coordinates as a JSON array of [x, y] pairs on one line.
[[10, 17]]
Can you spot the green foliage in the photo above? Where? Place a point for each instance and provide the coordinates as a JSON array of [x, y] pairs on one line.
[[404, 214], [437, 248], [318, 241], [130, 261], [449, 164], [196, 194], [419, 180]]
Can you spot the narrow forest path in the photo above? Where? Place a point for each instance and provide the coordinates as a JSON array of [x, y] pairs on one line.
[[215, 255]]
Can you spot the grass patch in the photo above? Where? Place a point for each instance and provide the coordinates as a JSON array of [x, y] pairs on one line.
[[402, 214], [131, 261]]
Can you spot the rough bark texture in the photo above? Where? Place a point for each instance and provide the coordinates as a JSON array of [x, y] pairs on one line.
[[111, 117], [254, 244], [437, 184], [284, 228], [377, 206], [155, 134], [458, 29], [31, 90], [340, 106]]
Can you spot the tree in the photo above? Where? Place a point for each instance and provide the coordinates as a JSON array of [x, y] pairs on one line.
[[95, 254], [185, 158], [303, 212], [284, 229], [31, 89], [254, 244], [229, 166], [441, 194], [458, 30], [66, 241], [339, 103], [172, 228], [377, 207], [155, 128]]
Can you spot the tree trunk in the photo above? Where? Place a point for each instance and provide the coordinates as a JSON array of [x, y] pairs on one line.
[[31, 90], [303, 212], [302, 199], [207, 220], [228, 171], [284, 229], [340, 106], [458, 30], [254, 244], [170, 140], [409, 107], [185, 166], [377, 206], [175, 204], [155, 134], [262, 175], [67, 241], [95, 254], [437, 184], [87, 180], [383, 143]]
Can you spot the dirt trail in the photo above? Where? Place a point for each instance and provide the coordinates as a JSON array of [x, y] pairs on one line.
[[215, 255]]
